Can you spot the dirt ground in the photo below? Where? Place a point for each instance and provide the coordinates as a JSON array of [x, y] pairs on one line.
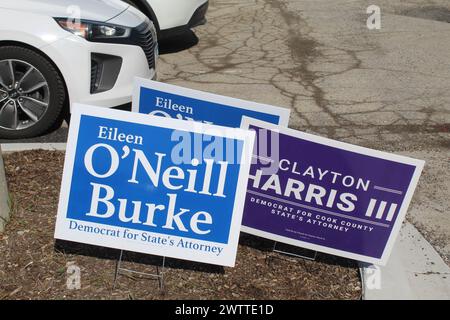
[[34, 266]]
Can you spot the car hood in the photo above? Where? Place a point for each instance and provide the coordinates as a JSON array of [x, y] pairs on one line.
[[96, 10]]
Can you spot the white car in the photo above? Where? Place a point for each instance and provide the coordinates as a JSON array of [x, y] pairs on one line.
[[57, 52], [172, 17]]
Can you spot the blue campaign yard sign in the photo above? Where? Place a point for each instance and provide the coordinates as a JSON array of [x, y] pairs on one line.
[[154, 185], [160, 99]]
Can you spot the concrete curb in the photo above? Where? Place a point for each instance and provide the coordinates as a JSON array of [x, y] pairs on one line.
[[414, 271], [17, 147], [4, 196]]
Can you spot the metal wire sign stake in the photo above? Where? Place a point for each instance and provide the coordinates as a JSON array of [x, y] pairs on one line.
[[159, 272], [274, 249]]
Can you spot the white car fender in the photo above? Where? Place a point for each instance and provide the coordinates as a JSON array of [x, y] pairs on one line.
[[38, 33], [173, 13]]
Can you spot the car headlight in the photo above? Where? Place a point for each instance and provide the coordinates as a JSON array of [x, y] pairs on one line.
[[94, 31]]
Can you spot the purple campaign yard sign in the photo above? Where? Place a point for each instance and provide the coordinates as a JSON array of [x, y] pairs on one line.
[[326, 195]]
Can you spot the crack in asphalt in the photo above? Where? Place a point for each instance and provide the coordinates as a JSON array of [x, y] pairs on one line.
[[305, 50], [267, 45]]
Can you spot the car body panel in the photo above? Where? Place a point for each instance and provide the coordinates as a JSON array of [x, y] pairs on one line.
[[131, 18], [36, 30], [96, 10], [173, 13]]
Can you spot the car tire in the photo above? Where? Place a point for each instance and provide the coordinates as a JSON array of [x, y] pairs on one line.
[[43, 107]]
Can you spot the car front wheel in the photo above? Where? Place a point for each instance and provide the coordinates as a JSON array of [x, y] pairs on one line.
[[32, 93]]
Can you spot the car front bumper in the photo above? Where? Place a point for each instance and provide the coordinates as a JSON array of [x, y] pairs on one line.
[[196, 17], [199, 16], [76, 59]]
